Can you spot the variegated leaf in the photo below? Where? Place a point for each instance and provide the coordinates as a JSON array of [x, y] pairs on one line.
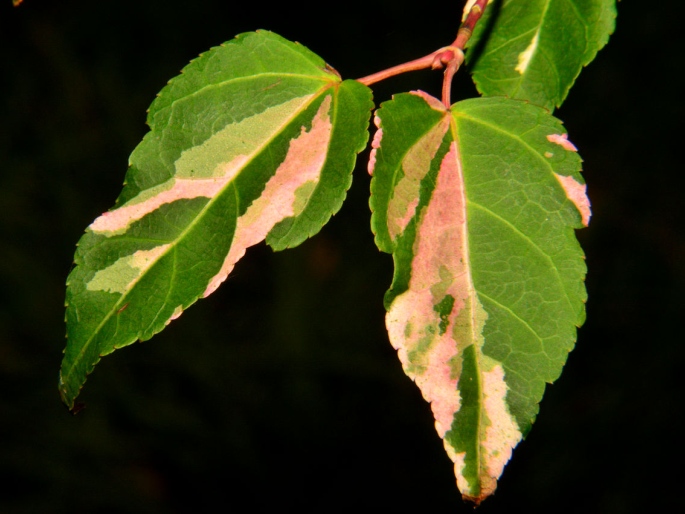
[[535, 49], [255, 140], [478, 206]]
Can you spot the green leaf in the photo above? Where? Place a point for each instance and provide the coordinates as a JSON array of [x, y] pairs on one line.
[[256, 139], [535, 49], [478, 206]]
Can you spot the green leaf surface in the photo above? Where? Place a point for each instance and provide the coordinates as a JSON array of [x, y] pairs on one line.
[[478, 206], [256, 139], [535, 49]]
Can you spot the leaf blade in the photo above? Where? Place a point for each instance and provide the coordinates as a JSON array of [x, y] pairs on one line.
[[535, 50], [212, 177], [465, 323]]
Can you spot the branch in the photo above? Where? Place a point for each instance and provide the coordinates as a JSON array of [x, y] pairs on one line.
[[472, 12], [450, 57], [428, 61]]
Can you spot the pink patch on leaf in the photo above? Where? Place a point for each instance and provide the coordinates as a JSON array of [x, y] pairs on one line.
[[121, 218], [577, 193], [562, 140], [502, 434], [175, 315], [440, 263], [375, 144], [303, 163], [433, 102]]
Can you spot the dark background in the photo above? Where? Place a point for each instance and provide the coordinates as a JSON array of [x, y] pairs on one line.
[[281, 390]]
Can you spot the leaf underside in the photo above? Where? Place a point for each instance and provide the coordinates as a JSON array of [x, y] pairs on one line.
[[535, 49], [478, 207], [256, 139]]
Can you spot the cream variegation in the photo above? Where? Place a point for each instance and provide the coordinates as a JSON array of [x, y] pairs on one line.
[[206, 169], [283, 194]]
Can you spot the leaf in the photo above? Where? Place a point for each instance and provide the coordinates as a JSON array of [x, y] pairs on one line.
[[255, 140], [535, 49], [478, 207]]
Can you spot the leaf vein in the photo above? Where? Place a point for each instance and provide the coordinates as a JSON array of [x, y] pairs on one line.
[[532, 243], [514, 315]]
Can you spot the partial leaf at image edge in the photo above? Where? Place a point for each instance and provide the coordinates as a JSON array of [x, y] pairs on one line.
[[478, 206], [535, 49], [256, 139]]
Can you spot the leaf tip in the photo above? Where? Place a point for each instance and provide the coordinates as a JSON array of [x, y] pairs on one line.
[[64, 394]]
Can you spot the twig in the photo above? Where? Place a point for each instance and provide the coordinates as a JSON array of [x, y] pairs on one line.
[[417, 64], [449, 57], [469, 22]]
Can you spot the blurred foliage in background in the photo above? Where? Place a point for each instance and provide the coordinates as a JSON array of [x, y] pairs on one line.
[[281, 390]]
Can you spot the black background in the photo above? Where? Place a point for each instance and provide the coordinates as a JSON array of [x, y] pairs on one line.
[[281, 390]]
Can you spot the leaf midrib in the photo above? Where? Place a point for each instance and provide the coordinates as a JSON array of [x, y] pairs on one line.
[[473, 298]]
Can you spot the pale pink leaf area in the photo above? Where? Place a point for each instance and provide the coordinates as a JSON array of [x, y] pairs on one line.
[[432, 102], [375, 144], [302, 165], [117, 221], [502, 433], [459, 460], [577, 193], [562, 140], [439, 268]]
